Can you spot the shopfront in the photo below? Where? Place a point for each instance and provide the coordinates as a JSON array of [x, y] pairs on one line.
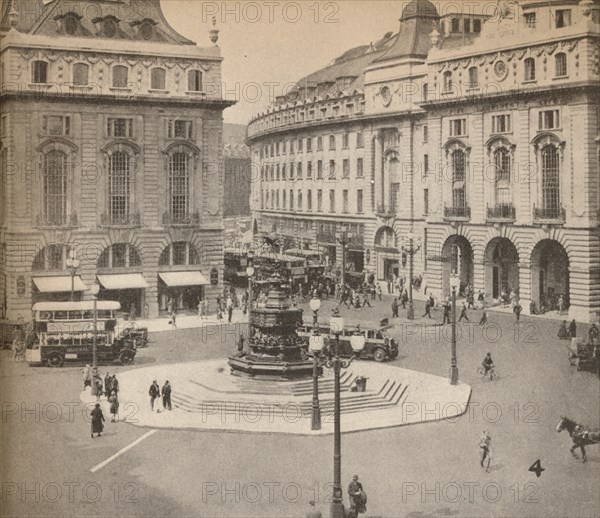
[[181, 291]]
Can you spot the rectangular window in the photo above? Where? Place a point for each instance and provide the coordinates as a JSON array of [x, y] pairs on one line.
[[447, 81], [562, 18], [319, 143], [299, 170], [120, 128], [332, 170], [560, 64], [319, 200], [349, 109], [179, 186], [476, 25], [291, 199], [530, 20], [158, 79], [425, 165], [501, 124], [331, 200], [425, 201], [359, 140], [300, 145], [425, 134], [309, 170], [56, 125], [336, 111], [308, 199], [473, 77], [346, 168], [284, 147], [359, 201], [458, 127], [291, 147], [180, 253], [345, 140], [299, 199], [529, 65], [345, 201], [309, 145], [81, 74], [120, 76], [455, 25], [119, 186], [359, 168], [39, 73], [549, 119], [194, 81], [320, 170], [283, 172], [467, 23], [180, 129]]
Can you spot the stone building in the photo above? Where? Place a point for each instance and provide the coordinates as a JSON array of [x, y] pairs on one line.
[[111, 152], [475, 135]]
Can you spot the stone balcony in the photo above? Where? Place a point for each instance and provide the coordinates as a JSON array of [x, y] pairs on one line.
[[549, 215], [501, 213], [457, 213]]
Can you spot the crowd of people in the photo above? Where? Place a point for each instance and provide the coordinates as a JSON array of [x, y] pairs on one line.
[[107, 387]]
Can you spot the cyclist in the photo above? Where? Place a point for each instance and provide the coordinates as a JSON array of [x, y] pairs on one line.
[[487, 364]]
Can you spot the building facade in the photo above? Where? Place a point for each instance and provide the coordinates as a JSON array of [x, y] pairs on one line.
[[476, 136], [111, 151]]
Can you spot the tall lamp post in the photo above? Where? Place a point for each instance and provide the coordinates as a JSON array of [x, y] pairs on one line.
[[315, 347], [357, 341], [250, 271], [344, 238], [411, 249], [95, 289], [72, 264], [454, 284]]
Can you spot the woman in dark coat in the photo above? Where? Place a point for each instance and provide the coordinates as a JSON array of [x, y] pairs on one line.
[[97, 420], [563, 334]]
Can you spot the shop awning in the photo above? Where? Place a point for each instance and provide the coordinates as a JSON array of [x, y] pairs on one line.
[[126, 281], [175, 279], [58, 284]]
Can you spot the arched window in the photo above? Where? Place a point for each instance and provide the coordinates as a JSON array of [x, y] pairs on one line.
[[181, 253], [119, 186], [459, 170], [560, 64], [51, 257], [158, 79], [120, 255], [120, 76], [529, 65], [550, 179], [179, 186], [502, 162], [54, 188]]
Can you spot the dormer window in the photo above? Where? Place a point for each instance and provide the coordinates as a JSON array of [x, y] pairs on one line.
[[107, 26], [145, 29], [68, 23], [110, 28]]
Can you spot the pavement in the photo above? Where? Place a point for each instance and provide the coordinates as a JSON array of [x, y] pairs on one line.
[[207, 397]]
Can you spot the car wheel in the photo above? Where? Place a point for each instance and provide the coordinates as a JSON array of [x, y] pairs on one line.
[[379, 355], [55, 360], [126, 357]]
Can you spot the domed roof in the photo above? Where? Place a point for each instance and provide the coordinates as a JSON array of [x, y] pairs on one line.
[[420, 9]]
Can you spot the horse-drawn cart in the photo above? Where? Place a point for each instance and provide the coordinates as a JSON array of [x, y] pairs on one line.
[[584, 355]]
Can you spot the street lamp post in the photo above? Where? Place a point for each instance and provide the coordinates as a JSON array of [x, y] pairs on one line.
[[315, 347], [357, 342], [95, 289], [250, 271], [72, 264], [411, 250], [343, 238], [454, 284]]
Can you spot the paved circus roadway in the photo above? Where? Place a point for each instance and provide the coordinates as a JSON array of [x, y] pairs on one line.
[[413, 471]]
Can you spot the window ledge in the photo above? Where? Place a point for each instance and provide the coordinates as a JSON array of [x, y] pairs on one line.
[[81, 87], [158, 91], [120, 88], [560, 77], [39, 85], [199, 93], [529, 81]]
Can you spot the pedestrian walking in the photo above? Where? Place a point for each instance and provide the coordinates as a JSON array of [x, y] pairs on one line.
[[97, 386], [115, 384], [427, 309], [107, 384], [395, 307], [365, 301], [97, 420], [205, 307], [379, 291], [87, 377], [594, 334], [446, 308], [132, 312], [563, 333], [200, 310], [173, 320], [404, 299], [485, 446], [483, 320], [517, 310], [357, 496], [313, 512], [463, 313], [471, 300], [166, 395], [154, 393], [229, 306], [573, 329], [113, 400]]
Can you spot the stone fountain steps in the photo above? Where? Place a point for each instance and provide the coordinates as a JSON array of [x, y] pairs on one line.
[[392, 393], [294, 388]]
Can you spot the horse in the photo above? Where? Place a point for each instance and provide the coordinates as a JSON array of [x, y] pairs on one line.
[[582, 435]]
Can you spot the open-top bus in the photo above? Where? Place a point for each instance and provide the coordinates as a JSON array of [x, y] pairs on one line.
[[64, 331]]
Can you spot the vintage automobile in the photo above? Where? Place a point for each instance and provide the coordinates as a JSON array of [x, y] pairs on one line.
[[136, 336], [378, 346], [585, 356]]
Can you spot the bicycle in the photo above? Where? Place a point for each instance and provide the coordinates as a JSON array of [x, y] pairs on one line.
[[492, 373]]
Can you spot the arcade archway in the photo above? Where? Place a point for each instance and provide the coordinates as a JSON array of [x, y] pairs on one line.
[[501, 267], [457, 256], [549, 275]]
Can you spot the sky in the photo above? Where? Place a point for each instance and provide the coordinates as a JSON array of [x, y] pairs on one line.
[[278, 41]]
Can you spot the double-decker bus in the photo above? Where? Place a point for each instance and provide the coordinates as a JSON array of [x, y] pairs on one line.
[[64, 331]]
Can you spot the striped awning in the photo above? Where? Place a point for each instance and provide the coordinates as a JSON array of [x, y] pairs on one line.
[[127, 281], [176, 279], [59, 284]]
